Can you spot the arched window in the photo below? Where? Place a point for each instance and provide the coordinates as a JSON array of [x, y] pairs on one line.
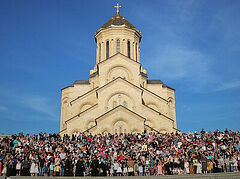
[[125, 104], [99, 52], [125, 131], [136, 51], [107, 49], [128, 49], [115, 131], [114, 104], [118, 46]]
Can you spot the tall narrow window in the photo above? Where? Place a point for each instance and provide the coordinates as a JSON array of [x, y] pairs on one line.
[[125, 104], [114, 104], [99, 52], [120, 130], [107, 49], [118, 46], [136, 52], [128, 49]]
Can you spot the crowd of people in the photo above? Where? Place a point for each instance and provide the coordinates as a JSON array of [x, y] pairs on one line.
[[120, 154]]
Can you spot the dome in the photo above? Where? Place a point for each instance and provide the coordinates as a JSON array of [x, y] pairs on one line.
[[118, 21]]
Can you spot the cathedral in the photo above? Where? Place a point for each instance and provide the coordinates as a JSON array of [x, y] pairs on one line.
[[118, 97]]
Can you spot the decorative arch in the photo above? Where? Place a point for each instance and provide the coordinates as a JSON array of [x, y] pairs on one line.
[[135, 130], [118, 70], [108, 99], [153, 106], [85, 106], [65, 109], [120, 125], [90, 124], [149, 122], [65, 100], [163, 130], [75, 131], [106, 131], [170, 100]]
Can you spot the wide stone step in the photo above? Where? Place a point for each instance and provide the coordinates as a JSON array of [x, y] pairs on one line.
[[235, 175]]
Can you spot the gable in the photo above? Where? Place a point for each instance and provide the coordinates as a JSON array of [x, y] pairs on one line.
[[119, 66]]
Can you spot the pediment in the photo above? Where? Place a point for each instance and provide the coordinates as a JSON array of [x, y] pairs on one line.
[[121, 81], [117, 57], [120, 109]]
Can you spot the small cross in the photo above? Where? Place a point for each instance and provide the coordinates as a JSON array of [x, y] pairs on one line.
[[117, 7]]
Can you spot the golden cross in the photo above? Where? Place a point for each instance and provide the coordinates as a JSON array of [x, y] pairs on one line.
[[117, 7]]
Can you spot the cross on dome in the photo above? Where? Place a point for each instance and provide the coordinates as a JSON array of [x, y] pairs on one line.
[[117, 7]]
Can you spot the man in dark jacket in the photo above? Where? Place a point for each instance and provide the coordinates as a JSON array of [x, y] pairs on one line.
[[68, 167], [80, 167]]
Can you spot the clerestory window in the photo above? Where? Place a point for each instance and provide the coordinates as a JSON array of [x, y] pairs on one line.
[[125, 104], [136, 51], [99, 52], [128, 49], [107, 49], [114, 104], [118, 46]]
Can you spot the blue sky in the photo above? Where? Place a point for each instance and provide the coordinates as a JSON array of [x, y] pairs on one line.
[[191, 45]]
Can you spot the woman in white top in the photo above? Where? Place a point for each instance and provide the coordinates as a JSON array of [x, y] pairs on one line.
[[34, 169], [186, 167], [199, 167], [235, 164], [119, 169]]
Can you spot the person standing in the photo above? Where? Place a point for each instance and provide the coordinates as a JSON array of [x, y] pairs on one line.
[[130, 164], [46, 169], [18, 168], [204, 164], [159, 168], [135, 168], [195, 161], [80, 167], [186, 167], [34, 168], [94, 167], [11, 171], [25, 167], [140, 169], [115, 167], [57, 170], [41, 165], [1, 167], [51, 169]]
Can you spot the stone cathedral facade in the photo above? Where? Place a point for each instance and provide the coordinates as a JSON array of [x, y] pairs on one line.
[[118, 97]]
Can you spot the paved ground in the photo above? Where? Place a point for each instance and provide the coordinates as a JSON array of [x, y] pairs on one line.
[[198, 176]]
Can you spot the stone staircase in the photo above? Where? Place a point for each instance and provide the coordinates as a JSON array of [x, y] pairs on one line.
[[235, 175]]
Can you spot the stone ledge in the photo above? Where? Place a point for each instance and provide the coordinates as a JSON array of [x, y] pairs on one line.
[[235, 175]]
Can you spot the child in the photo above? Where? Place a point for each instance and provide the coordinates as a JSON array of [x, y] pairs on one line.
[[45, 169], [140, 169], [57, 170], [51, 169], [18, 168]]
